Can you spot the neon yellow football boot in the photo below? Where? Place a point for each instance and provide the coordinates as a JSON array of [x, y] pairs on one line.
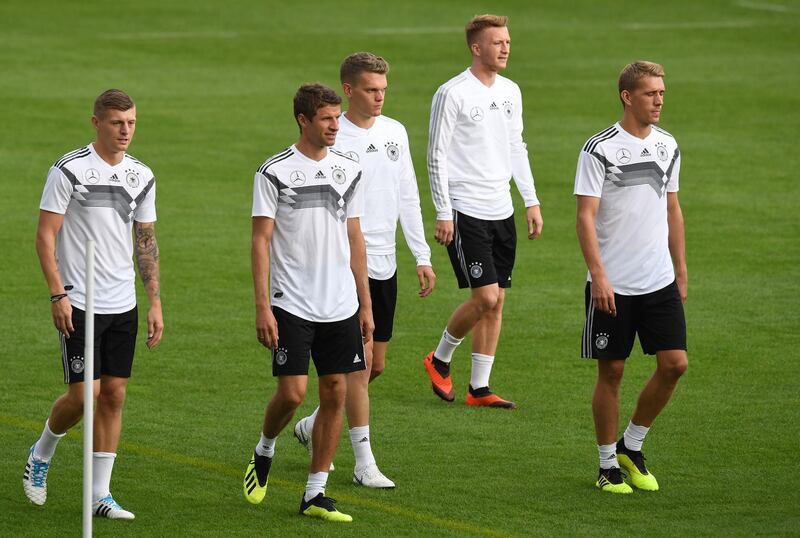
[[256, 476], [635, 469], [610, 480], [324, 508]]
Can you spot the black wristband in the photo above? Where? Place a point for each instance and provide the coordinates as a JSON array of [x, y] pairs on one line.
[[57, 297]]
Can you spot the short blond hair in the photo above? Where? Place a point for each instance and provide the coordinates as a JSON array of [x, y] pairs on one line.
[[479, 23], [361, 62], [632, 73]]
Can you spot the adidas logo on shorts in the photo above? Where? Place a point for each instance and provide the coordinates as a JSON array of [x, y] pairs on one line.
[[356, 359]]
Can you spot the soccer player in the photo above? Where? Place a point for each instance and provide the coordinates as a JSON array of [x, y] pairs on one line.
[[311, 288], [475, 146], [380, 145], [630, 229], [100, 193]]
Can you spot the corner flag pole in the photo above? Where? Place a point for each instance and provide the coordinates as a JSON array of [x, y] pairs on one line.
[[88, 394]]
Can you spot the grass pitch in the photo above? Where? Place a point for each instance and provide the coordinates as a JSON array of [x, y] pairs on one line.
[[213, 82]]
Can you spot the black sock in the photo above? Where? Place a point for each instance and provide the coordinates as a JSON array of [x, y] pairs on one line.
[[442, 367]]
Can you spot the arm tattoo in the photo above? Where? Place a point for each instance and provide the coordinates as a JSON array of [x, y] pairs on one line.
[[147, 257]]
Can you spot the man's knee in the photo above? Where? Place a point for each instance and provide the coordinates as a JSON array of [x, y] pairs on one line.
[[673, 364], [610, 372], [332, 389], [112, 394], [487, 298]]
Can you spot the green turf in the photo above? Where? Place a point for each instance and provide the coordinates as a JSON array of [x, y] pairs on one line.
[[214, 81]]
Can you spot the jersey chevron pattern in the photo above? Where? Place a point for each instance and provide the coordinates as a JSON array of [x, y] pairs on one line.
[[99, 202], [631, 176], [310, 201]]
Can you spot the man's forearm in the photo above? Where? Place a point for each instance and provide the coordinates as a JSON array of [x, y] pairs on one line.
[[147, 259]]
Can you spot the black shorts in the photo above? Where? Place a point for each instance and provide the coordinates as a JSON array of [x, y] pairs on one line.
[[482, 251], [114, 345], [384, 302], [336, 347], [656, 317]]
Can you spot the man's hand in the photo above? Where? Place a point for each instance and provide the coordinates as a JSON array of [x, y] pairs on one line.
[[533, 215], [62, 316], [266, 327], [603, 295], [427, 280], [366, 322], [682, 279], [155, 325], [444, 232]]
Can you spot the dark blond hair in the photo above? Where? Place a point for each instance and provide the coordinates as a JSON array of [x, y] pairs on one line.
[[361, 62], [310, 98], [479, 23], [113, 99], [633, 73]]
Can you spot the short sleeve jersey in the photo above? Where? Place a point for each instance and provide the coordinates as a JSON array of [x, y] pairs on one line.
[[99, 202], [632, 177], [475, 137], [390, 191], [310, 201]]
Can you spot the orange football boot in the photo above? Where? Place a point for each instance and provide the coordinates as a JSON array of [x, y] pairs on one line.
[[442, 386], [486, 398]]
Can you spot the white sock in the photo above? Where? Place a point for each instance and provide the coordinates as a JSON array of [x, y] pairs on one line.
[[266, 447], [359, 438], [45, 447], [608, 456], [634, 436], [102, 465], [315, 485], [310, 420], [481, 370], [448, 344]]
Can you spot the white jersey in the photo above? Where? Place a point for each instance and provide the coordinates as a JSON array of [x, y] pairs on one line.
[[390, 192], [475, 146], [310, 200], [99, 202], [631, 176]]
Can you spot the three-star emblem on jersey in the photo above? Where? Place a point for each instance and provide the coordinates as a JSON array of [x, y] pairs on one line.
[[623, 156], [601, 342], [76, 364], [338, 175], [297, 178], [476, 270], [91, 176], [661, 151], [132, 178], [281, 356], [392, 151], [508, 108], [476, 113]]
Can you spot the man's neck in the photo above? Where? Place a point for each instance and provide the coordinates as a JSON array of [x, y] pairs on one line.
[[363, 122], [484, 75], [113, 158], [634, 127], [312, 151]]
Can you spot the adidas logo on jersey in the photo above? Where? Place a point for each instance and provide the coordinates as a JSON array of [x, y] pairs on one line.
[[644, 153], [320, 175], [371, 149], [114, 178], [493, 106]]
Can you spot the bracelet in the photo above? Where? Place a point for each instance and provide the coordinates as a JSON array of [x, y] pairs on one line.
[[57, 297]]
